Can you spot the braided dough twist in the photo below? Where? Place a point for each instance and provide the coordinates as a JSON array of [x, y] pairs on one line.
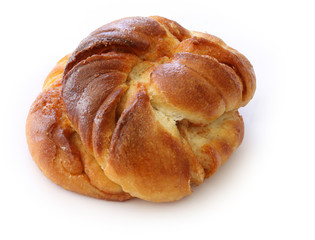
[[142, 108]]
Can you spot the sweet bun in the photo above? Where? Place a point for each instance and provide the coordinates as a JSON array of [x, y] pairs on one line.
[[142, 108]]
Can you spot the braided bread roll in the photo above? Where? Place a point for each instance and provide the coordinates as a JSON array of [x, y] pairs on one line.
[[142, 108]]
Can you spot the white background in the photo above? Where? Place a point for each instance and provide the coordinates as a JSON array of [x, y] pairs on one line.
[[265, 191]]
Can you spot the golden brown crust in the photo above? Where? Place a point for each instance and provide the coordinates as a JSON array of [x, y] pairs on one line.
[[89, 83], [153, 162], [142, 108], [193, 97], [174, 28], [219, 76], [57, 149], [216, 48]]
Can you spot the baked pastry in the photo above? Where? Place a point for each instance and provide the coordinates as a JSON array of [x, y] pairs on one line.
[[142, 108]]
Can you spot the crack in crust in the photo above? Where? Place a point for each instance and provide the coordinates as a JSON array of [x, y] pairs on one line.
[[148, 107]]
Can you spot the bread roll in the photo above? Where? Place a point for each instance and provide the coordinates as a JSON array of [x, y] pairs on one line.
[[142, 108]]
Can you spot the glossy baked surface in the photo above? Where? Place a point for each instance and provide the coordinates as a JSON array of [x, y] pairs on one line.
[[143, 108]]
